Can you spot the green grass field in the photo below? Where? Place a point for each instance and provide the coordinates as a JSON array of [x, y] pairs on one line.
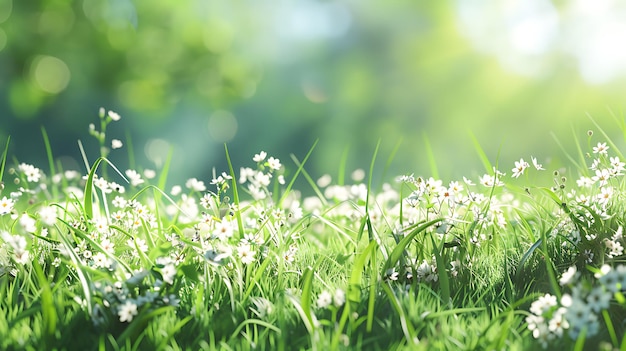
[[243, 261]]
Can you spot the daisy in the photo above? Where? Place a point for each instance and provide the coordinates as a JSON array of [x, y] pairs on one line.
[[6, 205], [601, 149], [246, 254], [520, 167]]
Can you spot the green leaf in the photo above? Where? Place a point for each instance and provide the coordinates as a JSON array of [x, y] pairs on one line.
[[235, 192], [398, 251], [444, 282]]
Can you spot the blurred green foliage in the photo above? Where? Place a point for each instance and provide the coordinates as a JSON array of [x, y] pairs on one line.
[[276, 76]]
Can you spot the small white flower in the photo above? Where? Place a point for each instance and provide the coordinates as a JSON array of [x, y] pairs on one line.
[[324, 299], [259, 157], [168, 272], [116, 144], [358, 175], [6, 205], [601, 149], [538, 166], [604, 270], [195, 184], [100, 260], [339, 298], [127, 311], [149, 173], [33, 174], [114, 116], [246, 254], [103, 185], [324, 181], [520, 167], [568, 276], [274, 163], [134, 177], [28, 223], [176, 189]]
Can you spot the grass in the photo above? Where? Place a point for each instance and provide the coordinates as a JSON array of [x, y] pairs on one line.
[[493, 263]]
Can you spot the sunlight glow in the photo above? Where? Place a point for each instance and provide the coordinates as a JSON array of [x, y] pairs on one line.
[[526, 36]]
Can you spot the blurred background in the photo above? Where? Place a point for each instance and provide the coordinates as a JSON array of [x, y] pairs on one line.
[[276, 75]]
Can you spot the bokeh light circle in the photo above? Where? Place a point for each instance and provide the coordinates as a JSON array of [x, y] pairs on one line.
[[222, 126], [156, 150], [50, 74]]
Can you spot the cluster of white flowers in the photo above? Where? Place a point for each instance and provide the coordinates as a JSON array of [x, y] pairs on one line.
[[325, 299], [580, 308]]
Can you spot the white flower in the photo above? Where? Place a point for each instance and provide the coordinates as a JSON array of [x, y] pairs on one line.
[[149, 173], [427, 272], [223, 229], [602, 176], [22, 257], [220, 180], [141, 244], [569, 276], [28, 223], [107, 245], [615, 248], [168, 272], [101, 224], [116, 144], [103, 185], [274, 163], [114, 116], [542, 304], [100, 260], [127, 311], [259, 157], [324, 181], [584, 182], [6, 205], [134, 177], [601, 149], [32, 173], [176, 189], [48, 215], [605, 194], [558, 323], [195, 184], [489, 181], [339, 298], [246, 254], [324, 299], [358, 175], [520, 167], [538, 166]]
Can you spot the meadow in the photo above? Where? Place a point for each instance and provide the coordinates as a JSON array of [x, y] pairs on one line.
[[112, 259]]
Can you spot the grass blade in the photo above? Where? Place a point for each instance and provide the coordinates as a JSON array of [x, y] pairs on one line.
[[295, 176], [431, 157], [46, 141], [481, 153], [399, 250], [235, 192], [3, 162]]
